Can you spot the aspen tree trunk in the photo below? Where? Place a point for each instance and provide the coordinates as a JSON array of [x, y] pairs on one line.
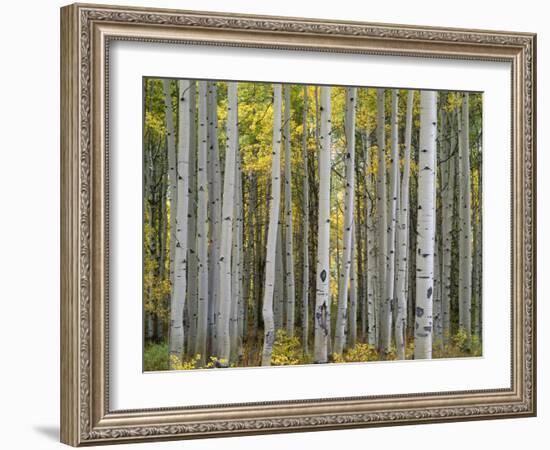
[[257, 257], [171, 140], [215, 213], [238, 332], [305, 243], [361, 253], [390, 234], [382, 217], [341, 318], [370, 247], [267, 308], [236, 261], [403, 238], [278, 295], [438, 323], [372, 276], [289, 275], [448, 177], [425, 226], [322, 300], [478, 265], [437, 310], [179, 287], [192, 268], [159, 326], [247, 240], [226, 296], [202, 226], [353, 295], [465, 268]]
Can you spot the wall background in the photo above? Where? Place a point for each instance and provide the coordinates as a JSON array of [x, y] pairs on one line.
[[29, 227]]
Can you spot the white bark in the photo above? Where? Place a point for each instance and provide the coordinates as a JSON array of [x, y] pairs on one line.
[[387, 315], [381, 214], [179, 287], [267, 308], [279, 291], [202, 226], [465, 268], [322, 300], [341, 317], [215, 201], [226, 296], [425, 226], [171, 142], [353, 295], [289, 275], [372, 272], [236, 261], [448, 184], [403, 237], [192, 268], [305, 243]]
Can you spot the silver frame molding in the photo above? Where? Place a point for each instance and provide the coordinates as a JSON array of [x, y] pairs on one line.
[[86, 31]]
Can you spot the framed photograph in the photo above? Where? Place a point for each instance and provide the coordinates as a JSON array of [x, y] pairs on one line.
[[276, 224]]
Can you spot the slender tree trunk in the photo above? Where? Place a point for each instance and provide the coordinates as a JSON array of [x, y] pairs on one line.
[[390, 232], [226, 296], [215, 214], [267, 309], [279, 300], [371, 280], [403, 238], [202, 226], [305, 243], [353, 295], [322, 300], [447, 198], [289, 275], [425, 226], [465, 267], [382, 216], [236, 277], [192, 268], [257, 257], [171, 140], [177, 303], [341, 318]]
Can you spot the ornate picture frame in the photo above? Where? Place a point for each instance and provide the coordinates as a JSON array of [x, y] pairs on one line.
[[86, 34]]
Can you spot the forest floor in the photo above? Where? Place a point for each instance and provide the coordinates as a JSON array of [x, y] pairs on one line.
[[288, 351]]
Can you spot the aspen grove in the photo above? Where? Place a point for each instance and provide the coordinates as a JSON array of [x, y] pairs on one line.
[[293, 224]]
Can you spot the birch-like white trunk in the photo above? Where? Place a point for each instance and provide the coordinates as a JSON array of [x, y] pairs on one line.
[[177, 303], [202, 226], [350, 343], [322, 299], [289, 275], [236, 261], [349, 201], [215, 202], [172, 179], [267, 308], [465, 236], [382, 216], [305, 243], [425, 226], [192, 268], [371, 238], [387, 315], [402, 251], [447, 215], [225, 296], [279, 291]]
